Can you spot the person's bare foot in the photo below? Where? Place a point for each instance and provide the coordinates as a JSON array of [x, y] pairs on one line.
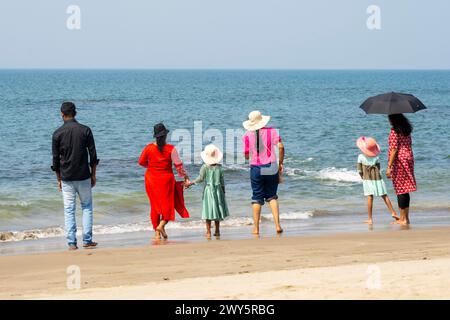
[[157, 235], [395, 216], [369, 221], [162, 232], [255, 231], [401, 222], [280, 230], [217, 234], [208, 234]]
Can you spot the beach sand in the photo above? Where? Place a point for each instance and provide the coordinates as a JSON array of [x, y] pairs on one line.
[[399, 264]]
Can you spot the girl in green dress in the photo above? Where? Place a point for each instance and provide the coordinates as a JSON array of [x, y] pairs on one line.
[[369, 170], [214, 206]]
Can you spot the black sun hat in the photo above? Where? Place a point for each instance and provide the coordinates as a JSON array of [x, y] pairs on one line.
[[159, 130]]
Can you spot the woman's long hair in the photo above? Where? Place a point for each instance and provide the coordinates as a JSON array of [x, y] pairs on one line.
[[400, 124], [259, 143], [161, 142]]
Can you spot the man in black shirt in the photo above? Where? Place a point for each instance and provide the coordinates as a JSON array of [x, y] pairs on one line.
[[75, 162]]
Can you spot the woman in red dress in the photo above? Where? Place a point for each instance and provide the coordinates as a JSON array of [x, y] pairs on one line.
[[160, 185], [401, 163]]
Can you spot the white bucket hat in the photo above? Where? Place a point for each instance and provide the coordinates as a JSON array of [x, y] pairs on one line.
[[211, 155], [255, 121]]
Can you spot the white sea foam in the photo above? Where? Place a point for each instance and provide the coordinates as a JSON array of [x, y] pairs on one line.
[[200, 224], [294, 172], [332, 174], [19, 203], [7, 236], [237, 167], [295, 215], [52, 232], [336, 174]]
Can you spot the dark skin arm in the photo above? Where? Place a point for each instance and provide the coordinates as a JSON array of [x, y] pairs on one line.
[[281, 155], [58, 178], [390, 162], [93, 175]]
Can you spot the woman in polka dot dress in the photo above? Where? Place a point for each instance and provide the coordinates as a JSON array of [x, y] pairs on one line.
[[401, 163]]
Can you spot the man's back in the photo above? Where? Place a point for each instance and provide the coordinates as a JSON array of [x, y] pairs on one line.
[[71, 144]]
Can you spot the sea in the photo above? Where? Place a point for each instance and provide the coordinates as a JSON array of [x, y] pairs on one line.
[[316, 112]]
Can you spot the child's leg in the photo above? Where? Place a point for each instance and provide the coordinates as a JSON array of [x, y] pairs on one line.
[[388, 203], [256, 217], [217, 226], [208, 229], [369, 209]]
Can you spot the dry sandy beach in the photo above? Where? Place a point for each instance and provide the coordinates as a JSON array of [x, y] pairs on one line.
[[403, 264]]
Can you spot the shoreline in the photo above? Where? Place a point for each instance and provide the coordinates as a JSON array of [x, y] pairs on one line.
[[135, 272], [138, 232]]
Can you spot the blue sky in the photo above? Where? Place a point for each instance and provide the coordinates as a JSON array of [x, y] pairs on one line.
[[285, 34]]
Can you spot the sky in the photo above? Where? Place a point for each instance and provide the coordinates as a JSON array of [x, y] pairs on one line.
[[225, 34]]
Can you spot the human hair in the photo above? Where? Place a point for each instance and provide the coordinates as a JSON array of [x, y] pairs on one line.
[[68, 109], [400, 124], [161, 142], [259, 143]]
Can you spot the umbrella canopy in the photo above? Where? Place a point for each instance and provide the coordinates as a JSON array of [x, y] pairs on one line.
[[392, 103]]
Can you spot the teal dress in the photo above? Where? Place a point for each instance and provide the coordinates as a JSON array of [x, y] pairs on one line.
[[214, 204], [370, 172]]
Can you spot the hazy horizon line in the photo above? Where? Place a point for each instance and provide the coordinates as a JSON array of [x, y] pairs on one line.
[[222, 69]]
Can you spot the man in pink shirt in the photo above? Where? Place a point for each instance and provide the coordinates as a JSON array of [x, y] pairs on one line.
[[260, 143]]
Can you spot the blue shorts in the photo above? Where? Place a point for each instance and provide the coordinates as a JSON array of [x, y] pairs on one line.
[[264, 183]]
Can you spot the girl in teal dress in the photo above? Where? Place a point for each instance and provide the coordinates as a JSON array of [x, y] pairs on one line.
[[369, 170], [214, 206]]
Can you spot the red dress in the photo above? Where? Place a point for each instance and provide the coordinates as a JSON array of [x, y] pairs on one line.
[[402, 172], [164, 193]]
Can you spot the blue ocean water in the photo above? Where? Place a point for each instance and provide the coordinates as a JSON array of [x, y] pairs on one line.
[[316, 112]]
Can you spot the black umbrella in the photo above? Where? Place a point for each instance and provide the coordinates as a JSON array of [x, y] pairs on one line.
[[392, 103]]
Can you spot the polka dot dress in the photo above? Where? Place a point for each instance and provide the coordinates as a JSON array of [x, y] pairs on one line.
[[403, 167]]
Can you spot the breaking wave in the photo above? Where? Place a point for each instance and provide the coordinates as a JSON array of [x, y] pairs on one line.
[[335, 174], [330, 174], [234, 222]]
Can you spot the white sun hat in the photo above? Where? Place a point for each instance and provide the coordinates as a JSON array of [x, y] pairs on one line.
[[255, 121], [211, 155]]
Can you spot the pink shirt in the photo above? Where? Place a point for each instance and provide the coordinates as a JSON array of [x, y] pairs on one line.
[[269, 139]]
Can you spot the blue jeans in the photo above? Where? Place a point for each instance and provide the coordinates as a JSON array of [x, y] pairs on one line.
[[264, 180], [70, 189]]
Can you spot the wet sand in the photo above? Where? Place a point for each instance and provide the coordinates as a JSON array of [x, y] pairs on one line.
[[373, 265]]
